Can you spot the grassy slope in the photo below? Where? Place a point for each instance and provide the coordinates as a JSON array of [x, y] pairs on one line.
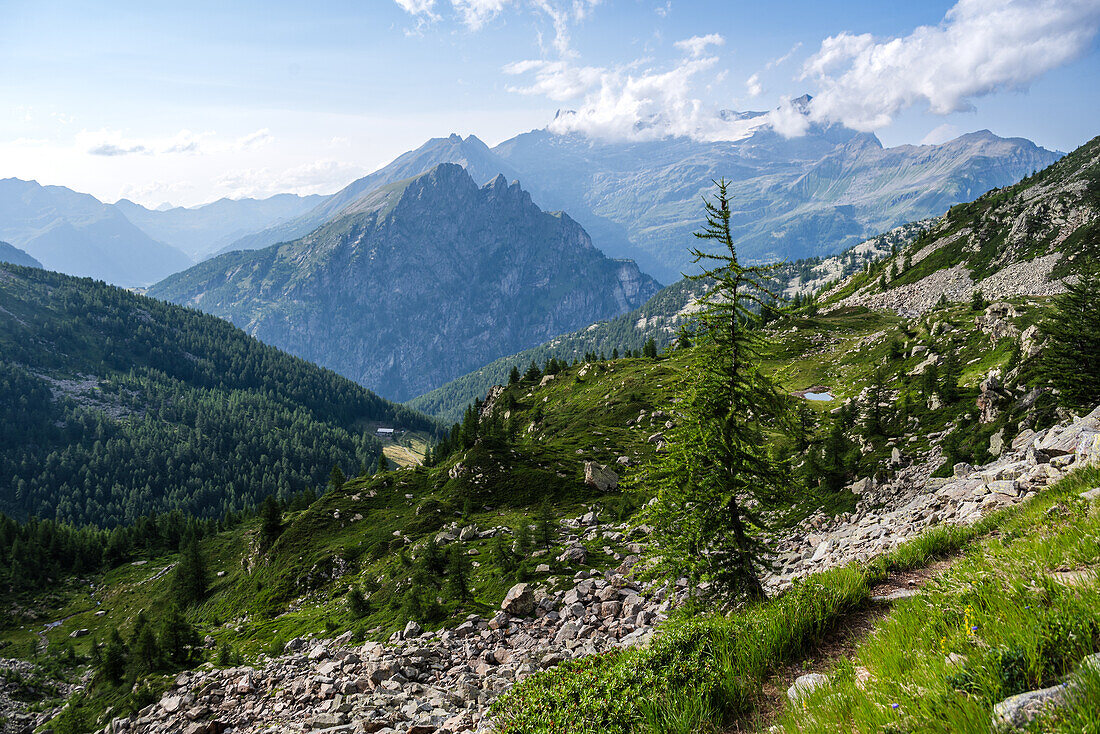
[[1017, 631], [574, 418]]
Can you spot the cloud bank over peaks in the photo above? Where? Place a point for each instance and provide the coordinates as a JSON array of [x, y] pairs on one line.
[[980, 47], [635, 101]]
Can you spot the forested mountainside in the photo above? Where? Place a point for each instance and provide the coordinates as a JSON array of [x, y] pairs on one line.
[[78, 234], [418, 282], [659, 320], [795, 198], [114, 406], [15, 256]]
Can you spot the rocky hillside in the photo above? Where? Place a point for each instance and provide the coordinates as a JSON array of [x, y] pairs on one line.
[[114, 406], [1019, 240], [536, 496], [418, 282]]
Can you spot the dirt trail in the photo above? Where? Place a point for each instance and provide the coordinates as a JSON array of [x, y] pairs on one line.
[[838, 643]]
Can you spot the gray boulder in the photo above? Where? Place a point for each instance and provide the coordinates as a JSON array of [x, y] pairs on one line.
[[519, 601], [600, 476]]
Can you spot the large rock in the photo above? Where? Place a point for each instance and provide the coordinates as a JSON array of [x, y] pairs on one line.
[[1017, 712], [519, 601], [599, 476]]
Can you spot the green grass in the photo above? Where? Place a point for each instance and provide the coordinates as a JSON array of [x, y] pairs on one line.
[[704, 672], [997, 607]]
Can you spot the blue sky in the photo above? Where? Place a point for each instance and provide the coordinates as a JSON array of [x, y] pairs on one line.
[[189, 102]]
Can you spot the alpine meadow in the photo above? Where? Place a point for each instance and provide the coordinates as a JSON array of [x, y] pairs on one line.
[[550, 367]]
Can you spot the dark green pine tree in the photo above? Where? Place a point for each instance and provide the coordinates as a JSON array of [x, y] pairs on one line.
[[271, 521], [977, 301], [522, 543], [178, 639], [545, 524], [144, 650], [950, 375], [649, 350], [115, 657], [513, 376], [357, 603], [336, 477], [1070, 360], [718, 470], [458, 573], [191, 574]]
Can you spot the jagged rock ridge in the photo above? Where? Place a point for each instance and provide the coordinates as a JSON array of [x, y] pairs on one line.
[[418, 282]]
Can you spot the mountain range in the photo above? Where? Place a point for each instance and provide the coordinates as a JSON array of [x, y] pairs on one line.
[[417, 282], [203, 231], [78, 234], [794, 197]]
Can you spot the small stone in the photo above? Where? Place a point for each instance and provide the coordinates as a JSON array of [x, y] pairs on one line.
[[804, 685]]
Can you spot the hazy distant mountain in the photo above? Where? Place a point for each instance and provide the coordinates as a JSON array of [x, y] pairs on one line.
[[792, 197], [80, 235], [418, 282], [15, 256], [204, 230], [470, 153]]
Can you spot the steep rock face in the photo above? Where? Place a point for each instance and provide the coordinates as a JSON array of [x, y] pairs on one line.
[[418, 282]]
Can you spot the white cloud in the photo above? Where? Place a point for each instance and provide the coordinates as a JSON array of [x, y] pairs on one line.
[[474, 14], [319, 177], [753, 86], [941, 134], [416, 7], [255, 140], [980, 47], [631, 102], [106, 142], [696, 46], [784, 58]]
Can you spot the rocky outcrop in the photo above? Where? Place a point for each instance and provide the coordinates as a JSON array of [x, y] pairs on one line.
[[600, 477], [888, 515], [418, 683]]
